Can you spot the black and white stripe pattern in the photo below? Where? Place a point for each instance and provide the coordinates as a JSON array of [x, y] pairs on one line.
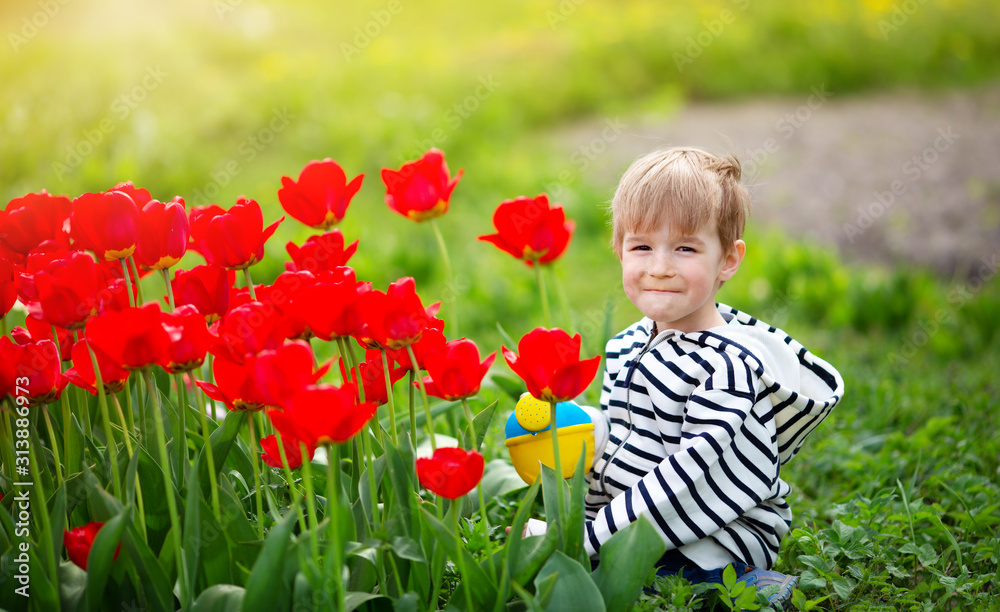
[[700, 424]]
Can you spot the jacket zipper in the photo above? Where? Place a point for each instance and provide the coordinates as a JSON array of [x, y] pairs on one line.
[[628, 406]]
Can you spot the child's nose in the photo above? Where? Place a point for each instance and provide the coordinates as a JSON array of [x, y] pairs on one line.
[[662, 265]]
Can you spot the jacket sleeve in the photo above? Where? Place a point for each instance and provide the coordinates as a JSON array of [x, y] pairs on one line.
[[727, 463]]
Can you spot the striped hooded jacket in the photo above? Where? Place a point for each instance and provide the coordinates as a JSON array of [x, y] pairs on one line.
[[700, 425]]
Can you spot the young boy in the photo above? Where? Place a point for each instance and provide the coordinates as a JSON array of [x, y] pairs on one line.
[[705, 403]]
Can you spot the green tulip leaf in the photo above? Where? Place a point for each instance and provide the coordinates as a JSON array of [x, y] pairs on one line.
[[220, 598], [480, 423], [267, 590], [574, 591], [626, 560], [101, 556]]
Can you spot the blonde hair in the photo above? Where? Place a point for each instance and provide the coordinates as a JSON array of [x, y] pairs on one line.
[[685, 187]]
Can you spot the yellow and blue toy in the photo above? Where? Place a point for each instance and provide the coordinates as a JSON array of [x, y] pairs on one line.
[[529, 436]]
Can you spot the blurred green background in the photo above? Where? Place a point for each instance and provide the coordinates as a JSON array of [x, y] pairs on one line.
[[213, 99]]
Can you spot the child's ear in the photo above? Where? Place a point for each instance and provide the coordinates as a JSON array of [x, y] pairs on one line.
[[732, 259]]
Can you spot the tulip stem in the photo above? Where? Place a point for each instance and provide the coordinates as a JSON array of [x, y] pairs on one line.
[[168, 482], [138, 485], [472, 427], [459, 558], [423, 393], [546, 314], [563, 302], [139, 300], [310, 498], [292, 489], [353, 363], [413, 409], [333, 513], [109, 436], [449, 292], [210, 456], [256, 477], [346, 352], [170, 290], [128, 283], [181, 425], [45, 539], [246, 275], [54, 442], [553, 431], [69, 440], [389, 398]]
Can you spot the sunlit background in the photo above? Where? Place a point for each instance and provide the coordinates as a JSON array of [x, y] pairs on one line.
[[869, 132], [213, 99]]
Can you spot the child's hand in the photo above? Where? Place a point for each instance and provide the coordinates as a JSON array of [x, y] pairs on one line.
[[533, 527]]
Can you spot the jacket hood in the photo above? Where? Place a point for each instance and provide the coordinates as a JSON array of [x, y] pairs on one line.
[[802, 387]]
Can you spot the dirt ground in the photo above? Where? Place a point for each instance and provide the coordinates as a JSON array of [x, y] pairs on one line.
[[896, 178]]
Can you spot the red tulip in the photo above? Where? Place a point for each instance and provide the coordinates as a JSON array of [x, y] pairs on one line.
[[235, 385], [32, 219], [105, 223], [8, 286], [67, 290], [82, 372], [279, 298], [37, 362], [139, 195], [189, 339], [321, 196], [115, 296], [206, 288], [36, 329], [200, 217], [330, 306], [164, 231], [235, 238], [133, 338], [420, 190], [548, 361], [531, 229], [372, 374], [455, 372], [246, 330], [323, 414], [450, 472], [396, 318], [279, 373], [322, 252], [79, 540], [431, 340], [272, 456]]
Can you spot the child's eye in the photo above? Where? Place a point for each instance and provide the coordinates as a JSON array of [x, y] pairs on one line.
[[640, 247], [686, 249]]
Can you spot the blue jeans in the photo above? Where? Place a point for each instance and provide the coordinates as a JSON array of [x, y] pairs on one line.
[[673, 562]]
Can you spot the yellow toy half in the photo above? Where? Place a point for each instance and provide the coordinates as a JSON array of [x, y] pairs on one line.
[[529, 437]]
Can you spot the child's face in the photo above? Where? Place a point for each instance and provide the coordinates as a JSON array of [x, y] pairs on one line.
[[673, 279]]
